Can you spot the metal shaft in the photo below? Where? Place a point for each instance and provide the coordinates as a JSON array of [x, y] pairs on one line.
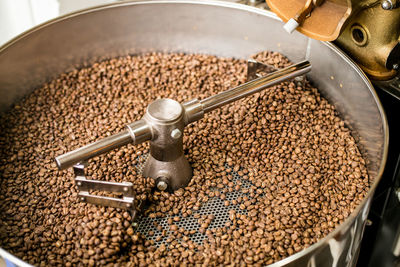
[[89, 151], [137, 132], [254, 86]]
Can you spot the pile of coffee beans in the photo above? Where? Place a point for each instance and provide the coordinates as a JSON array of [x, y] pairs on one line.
[[301, 173]]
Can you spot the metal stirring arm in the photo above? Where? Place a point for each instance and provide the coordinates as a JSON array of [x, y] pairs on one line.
[[140, 131], [255, 86], [163, 125], [136, 133]]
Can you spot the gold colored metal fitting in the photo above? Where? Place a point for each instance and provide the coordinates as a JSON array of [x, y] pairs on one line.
[[372, 38], [367, 30]]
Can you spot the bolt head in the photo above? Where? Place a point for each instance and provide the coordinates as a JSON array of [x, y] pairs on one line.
[[387, 5], [79, 183], [82, 199], [126, 189], [128, 205], [176, 133], [162, 185]]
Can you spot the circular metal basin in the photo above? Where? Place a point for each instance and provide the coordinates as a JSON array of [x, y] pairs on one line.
[[217, 28]]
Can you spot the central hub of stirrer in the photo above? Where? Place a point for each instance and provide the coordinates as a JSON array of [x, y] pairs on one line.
[[166, 163]]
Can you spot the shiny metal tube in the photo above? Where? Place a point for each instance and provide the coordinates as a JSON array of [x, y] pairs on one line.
[[137, 132], [254, 86], [94, 149]]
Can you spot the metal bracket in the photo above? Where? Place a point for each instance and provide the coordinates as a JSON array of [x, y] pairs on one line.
[[84, 186], [256, 69]]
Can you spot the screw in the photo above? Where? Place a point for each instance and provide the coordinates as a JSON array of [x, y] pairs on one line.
[[126, 189], [395, 66], [79, 183], [387, 5], [82, 199], [176, 133], [162, 185], [128, 205]]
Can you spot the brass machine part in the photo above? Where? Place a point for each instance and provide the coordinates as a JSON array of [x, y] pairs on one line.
[[368, 31], [372, 38]]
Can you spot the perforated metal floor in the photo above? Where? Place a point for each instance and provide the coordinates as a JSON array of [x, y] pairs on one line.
[[214, 206]]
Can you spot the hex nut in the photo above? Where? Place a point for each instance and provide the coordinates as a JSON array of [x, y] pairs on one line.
[[162, 185]]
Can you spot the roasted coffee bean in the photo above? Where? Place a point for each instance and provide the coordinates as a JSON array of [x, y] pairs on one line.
[[301, 171]]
